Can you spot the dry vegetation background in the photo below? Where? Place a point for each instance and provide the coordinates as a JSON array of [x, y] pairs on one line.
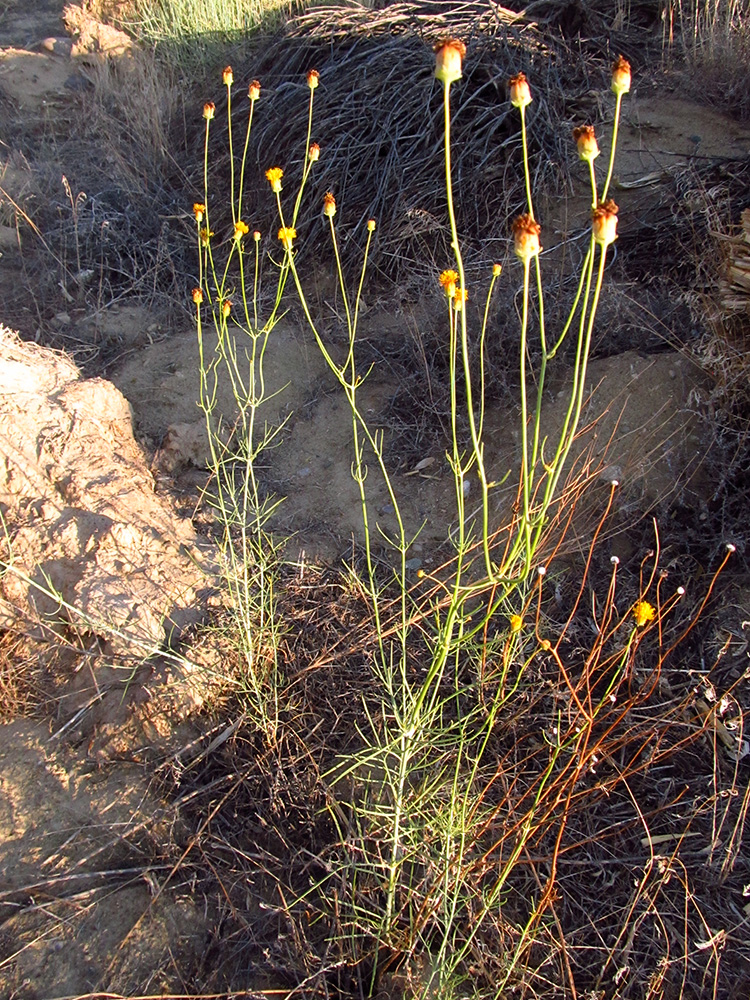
[[153, 843]]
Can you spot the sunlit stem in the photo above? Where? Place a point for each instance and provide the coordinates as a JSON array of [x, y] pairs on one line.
[[306, 160], [525, 471], [231, 152], [526, 171], [615, 129], [244, 161]]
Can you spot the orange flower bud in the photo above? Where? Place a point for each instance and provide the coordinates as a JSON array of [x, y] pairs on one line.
[[370, 225], [226, 308], [621, 76], [209, 110], [240, 229], [604, 222], [253, 91], [286, 235], [314, 152], [313, 79], [449, 280], [588, 147], [197, 296], [449, 55], [256, 236], [227, 76], [329, 205], [526, 237], [497, 270], [519, 91], [273, 176], [462, 294], [199, 210]]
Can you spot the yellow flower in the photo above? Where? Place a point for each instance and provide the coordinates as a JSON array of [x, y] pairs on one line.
[[449, 55], [604, 222], [621, 76], [273, 176], [197, 296], [526, 237], [199, 210], [209, 110], [588, 147], [286, 235], [462, 295], [516, 623], [371, 225], [329, 205], [314, 152], [643, 612], [240, 229], [313, 79], [226, 308], [520, 94], [448, 280], [205, 236], [227, 76], [253, 91]]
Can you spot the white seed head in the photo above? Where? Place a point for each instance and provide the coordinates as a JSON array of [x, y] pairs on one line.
[[731, 548], [615, 482], [680, 591], [541, 570], [615, 560]]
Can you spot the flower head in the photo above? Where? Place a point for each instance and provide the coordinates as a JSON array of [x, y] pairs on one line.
[[460, 298], [449, 280], [253, 91], [273, 176], [449, 55], [588, 147], [227, 76], [313, 152], [516, 623], [604, 222], [209, 110], [371, 225], [519, 91], [199, 210], [313, 79], [497, 270], [240, 229], [621, 76], [526, 237], [287, 235], [643, 612], [205, 236], [226, 308], [256, 236], [197, 296], [329, 205]]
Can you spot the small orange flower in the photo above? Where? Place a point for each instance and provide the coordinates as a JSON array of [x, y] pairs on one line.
[[497, 270], [273, 176], [604, 222], [449, 280], [256, 236], [462, 294], [313, 79], [227, 76], [226, 308], [621, 76], [371, 225], [449, 56], [329, 205], [240, 229], [526, 237], [643, 612], [205, 236], [199, 210], [253, 91], [314, 152], [588, 147], [197, 296], [286, 235], [520, 93], [516, 623], [209, 110]]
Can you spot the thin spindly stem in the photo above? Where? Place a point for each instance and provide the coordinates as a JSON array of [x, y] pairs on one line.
[[615, 129]]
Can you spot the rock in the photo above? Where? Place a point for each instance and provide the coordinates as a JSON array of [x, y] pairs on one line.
[[89, 542]]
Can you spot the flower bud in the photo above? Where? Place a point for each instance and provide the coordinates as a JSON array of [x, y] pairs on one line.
[[314, 152], [449, 55], [209, 110], [516, 623], [526, 237], [604, 222], [313, 79], [197, 296], [256, 236], [199, 210], [588, 147], [226, 308], [519, 92], [621, 76], [329, 205], [227, 76], [370, 225], [460, 298], [273, 176], [497, 270], [253, 91]]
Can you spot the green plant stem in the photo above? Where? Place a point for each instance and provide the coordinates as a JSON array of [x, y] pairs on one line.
[[615, 130], [244, 162], [231, 153]]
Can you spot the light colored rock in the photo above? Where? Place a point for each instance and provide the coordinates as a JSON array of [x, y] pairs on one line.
[[81, 517]]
